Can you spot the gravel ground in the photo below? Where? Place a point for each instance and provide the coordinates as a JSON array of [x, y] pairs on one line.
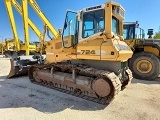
[[22, 100]]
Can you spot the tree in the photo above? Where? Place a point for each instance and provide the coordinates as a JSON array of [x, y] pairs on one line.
[[157, 34]]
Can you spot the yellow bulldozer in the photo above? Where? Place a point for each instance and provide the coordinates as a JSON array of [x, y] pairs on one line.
[[145, 63], [88, 58]]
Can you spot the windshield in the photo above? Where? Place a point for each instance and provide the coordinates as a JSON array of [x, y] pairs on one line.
[[93, 22], [129, 31], [115, 25]]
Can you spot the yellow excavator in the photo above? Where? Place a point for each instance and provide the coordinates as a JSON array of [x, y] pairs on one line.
[[20, 48], [2, 44], [40, 35], [19, 61], [145, 63], [11, 51], [88, 59], [8, 48]]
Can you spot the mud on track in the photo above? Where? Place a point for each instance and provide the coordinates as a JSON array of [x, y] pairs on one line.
[[22, 100]]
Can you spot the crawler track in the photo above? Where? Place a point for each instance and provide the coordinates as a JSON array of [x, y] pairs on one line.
[[113, 81]]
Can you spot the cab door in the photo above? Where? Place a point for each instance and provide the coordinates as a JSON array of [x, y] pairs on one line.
[[70, 32], [129, 34]]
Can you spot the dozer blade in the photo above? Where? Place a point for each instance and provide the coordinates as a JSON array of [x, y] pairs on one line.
[[20, 67], [10, 54], [16, 71]]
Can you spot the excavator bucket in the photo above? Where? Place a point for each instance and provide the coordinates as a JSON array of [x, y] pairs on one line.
[[19, 66]]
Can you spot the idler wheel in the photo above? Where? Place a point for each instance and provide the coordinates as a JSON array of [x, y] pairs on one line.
[[102, 87]]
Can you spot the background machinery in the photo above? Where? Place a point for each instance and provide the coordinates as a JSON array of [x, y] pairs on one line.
[[2, 44], [20, 48], [20, 64], [7, 46], [11, 49], [88, 59], [145, 63]]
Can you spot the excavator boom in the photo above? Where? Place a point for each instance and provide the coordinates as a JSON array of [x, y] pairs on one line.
[[25, 24], [31, 24], [12, 21], [37, 9]]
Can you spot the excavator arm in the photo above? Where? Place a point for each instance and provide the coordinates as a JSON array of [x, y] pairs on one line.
[[27, 21], [20, 65], [43, 17], [25, 24], [31, 24], [12, 21]]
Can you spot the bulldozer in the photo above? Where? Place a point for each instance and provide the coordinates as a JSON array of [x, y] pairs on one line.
[[144, 63], [88, 57]]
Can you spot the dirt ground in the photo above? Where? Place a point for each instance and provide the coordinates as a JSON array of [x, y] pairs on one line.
[[22, 100]]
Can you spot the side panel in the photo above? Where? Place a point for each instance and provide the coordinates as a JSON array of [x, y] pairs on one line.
[[112, 66], [151, 49], [89, 49], [130, 42], [108, 51]]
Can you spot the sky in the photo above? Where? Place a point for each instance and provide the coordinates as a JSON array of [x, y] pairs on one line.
[[147, 12]]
